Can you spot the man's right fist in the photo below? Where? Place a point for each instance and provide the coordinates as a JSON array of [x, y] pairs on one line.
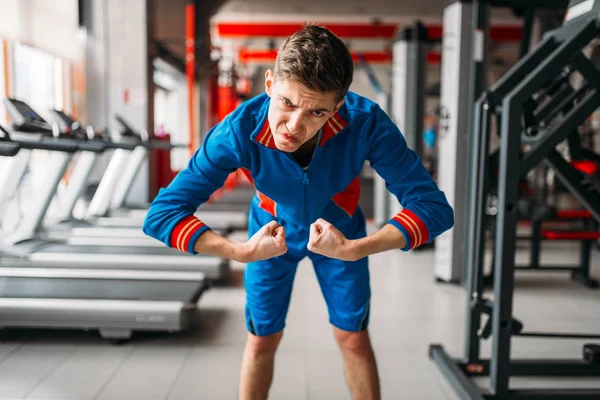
[[267, 243]]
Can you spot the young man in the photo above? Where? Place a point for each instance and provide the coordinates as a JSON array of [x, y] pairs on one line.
[[303, 144]]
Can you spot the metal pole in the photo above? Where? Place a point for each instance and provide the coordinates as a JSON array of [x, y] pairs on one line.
[[505, 247], [480, 14], [414, 102], [527, 31], [475, 251]]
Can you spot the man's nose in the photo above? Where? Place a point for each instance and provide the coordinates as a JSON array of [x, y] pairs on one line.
[[294, 123]]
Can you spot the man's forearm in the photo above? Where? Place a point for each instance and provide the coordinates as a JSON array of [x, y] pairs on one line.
[[213, 244], [387, 238]]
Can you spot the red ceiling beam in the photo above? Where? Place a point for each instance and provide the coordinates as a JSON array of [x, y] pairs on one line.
[[234, 29], [246, 55], [499, 33], [373, 57]]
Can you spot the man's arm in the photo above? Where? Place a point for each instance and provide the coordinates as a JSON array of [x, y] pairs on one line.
[[386, 238], [425, 212], [268, 242], [170, 217], [216, 245], [327, 240]]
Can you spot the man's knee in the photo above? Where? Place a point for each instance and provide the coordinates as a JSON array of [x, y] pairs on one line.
[[263, 345], [355, 342]]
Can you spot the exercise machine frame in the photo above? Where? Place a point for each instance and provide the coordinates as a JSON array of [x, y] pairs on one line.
[[557, 49]]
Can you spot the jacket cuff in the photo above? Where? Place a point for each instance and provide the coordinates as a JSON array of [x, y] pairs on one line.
[[186, 232], [412, 227]]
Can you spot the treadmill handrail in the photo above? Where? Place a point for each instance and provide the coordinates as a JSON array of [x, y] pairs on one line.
[[58, 144], [8, 149], [119, 145], [159, 145], [95, 146], [4, 135], [51, 144]]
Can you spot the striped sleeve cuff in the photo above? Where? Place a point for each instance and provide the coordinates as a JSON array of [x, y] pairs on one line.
[[186, 232], [412, 227]]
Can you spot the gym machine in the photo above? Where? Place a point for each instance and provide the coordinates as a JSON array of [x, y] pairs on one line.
[[233, 213], [114, 302], [464, 59], [113, 230], [39, 252], [107, 208], [560, 50], [534, 206]]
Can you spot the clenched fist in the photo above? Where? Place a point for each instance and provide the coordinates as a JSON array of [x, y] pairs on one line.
[[327, 240], [267, 243]]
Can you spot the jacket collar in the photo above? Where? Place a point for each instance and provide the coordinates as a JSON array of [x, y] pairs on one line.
[[263, 135]]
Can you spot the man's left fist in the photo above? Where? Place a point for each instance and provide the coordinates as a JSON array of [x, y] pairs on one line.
[[327, 240]]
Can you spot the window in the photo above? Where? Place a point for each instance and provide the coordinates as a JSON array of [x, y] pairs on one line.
[[37, 78]]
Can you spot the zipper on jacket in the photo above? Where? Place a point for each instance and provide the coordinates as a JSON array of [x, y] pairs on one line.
[[305, 188], [305, 180]]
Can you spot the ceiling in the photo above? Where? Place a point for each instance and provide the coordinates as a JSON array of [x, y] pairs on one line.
[[356, 9], [170, 14], [170, 24]]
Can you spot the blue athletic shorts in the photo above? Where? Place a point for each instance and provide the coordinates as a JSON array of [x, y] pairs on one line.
[[268, 283]]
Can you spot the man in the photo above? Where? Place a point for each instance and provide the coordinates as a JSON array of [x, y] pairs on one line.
[[303, 145]]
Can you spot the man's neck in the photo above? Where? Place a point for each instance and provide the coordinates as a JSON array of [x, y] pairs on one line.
[[309, 146], [304, 154]]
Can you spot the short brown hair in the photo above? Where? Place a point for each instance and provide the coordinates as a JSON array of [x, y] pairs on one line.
[[317, 58]]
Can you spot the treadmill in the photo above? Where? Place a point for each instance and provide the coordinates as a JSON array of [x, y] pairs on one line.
[[84, 232], [114, 304], [114, 209], [44, 253], [114, 187]]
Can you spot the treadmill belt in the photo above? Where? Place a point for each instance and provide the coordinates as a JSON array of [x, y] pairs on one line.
[[104, 289]]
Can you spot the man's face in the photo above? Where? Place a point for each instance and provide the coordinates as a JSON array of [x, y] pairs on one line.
[[296, 113]]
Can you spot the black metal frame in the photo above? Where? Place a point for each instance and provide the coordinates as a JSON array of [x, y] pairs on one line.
[[539, 212], [580, 272], [508, 97], [556, 99]]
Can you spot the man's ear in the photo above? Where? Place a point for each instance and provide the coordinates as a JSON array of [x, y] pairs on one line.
[[269, 82], [339, 105]]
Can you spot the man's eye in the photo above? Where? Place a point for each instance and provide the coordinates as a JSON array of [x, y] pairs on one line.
[[318, 113], [286, 102]]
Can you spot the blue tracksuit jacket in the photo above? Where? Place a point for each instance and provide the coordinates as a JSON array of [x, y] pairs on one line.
[[360, 131]]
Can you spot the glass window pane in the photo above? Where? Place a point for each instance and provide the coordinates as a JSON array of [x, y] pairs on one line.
[[34, 78]]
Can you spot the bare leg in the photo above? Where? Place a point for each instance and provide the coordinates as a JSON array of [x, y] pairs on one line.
[[257, 366], [360, 366]]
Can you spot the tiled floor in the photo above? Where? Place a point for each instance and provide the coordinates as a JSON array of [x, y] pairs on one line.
[[409, 312]]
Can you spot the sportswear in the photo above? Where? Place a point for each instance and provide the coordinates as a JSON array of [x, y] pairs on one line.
[[360, 131], [329, 188]]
